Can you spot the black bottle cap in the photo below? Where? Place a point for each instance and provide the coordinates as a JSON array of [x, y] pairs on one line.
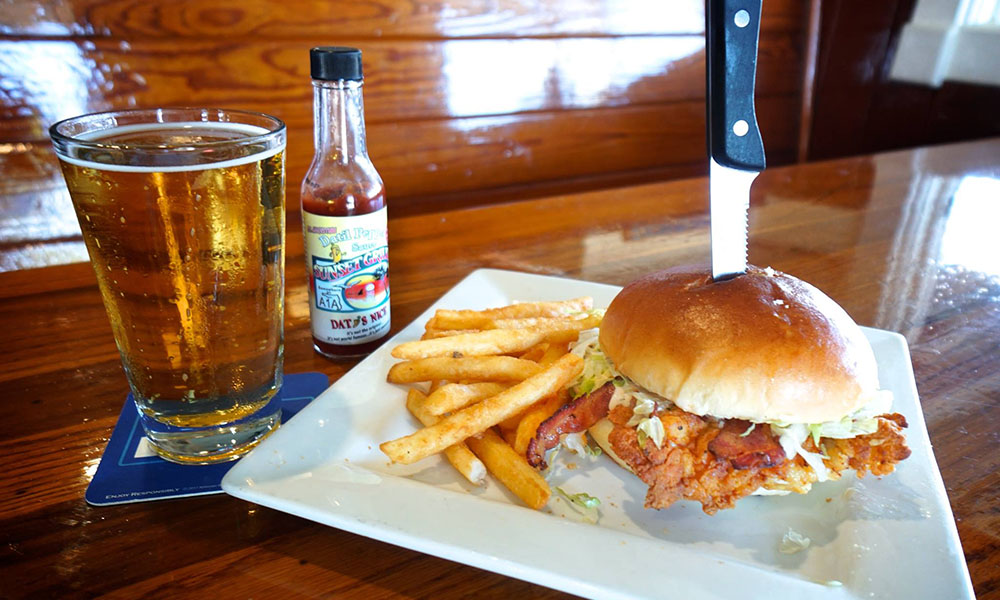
[[332, 63]]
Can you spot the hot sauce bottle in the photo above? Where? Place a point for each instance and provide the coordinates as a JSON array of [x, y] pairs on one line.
[[344, 215]]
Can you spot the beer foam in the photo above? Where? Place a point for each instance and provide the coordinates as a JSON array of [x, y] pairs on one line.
[[248, 130]]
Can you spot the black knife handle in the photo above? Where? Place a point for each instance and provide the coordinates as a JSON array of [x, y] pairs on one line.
[[731, 30]]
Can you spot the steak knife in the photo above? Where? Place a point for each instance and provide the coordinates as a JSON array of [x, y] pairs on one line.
[[735, 148]]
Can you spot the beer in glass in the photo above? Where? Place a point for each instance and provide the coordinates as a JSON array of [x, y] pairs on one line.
[[183, 215]]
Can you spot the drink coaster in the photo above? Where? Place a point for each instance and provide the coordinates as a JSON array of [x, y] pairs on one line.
[[130, 471]]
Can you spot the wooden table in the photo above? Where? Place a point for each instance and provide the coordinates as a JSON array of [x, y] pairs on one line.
[[904, 241]]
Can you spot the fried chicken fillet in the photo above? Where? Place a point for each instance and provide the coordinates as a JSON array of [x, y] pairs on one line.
[[685, 468]]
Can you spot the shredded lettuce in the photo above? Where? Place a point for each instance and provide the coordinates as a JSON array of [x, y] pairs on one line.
[[640, 394], [842, 429], [593, 449], [793, 542], [583, 503], [584, 341], [597, 369], [641, 437], [576, 443], [791, 437], [581, 499], [552, 460], [653, 428], [641, 411], [861, 422]]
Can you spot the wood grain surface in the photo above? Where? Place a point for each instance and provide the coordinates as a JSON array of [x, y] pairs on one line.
[[443, 116], [898, 239], [375, 19], [466, 102]]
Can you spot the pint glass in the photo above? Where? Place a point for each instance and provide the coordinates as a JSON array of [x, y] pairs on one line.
[[183, 215]]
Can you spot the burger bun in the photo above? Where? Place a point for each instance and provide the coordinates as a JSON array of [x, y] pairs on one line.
[[763, 346]]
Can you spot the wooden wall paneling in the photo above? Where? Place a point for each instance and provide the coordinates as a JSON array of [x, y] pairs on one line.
[[810, 57], [421, 145], [856, 36], [858, 33], [838, 123], [464, 155], [466, 102], [539, 189], [290, 19], [961, 111], [405, 80], [899, 116]]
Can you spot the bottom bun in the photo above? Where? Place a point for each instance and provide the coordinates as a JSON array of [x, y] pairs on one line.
[[601, 430]]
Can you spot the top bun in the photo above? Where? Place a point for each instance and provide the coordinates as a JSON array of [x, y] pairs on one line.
[[763, 346]]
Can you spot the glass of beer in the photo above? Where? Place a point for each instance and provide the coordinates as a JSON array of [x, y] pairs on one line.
[[183, 214]]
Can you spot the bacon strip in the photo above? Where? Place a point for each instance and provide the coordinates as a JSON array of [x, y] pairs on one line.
[[573, 417], [757, 449]]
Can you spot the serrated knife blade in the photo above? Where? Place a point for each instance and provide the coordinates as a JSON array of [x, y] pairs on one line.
[[730, 202], [735, 147]]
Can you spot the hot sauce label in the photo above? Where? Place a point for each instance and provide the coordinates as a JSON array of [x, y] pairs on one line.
[[348, 262]]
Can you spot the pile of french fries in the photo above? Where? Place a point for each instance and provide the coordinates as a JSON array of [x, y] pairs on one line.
[[492, 377]]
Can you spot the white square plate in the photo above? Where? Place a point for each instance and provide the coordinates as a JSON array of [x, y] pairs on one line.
[[886, 538]]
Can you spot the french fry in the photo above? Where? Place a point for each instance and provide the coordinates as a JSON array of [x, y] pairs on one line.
[[510, 423], [529, 423], [535, 353], [507, 435], [483, 343], [455, 396], [459, 455], [511, 469], [546, 323], [509, 336], [468, 359], [560, 331], [552, 354], [431, 334], [472, 319], [473, 368], [487, 413], [459, 320]]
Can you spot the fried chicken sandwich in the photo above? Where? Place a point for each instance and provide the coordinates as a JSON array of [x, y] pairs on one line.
[[712, 391]]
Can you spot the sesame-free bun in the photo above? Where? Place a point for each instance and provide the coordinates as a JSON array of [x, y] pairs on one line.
[[763, 346]]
